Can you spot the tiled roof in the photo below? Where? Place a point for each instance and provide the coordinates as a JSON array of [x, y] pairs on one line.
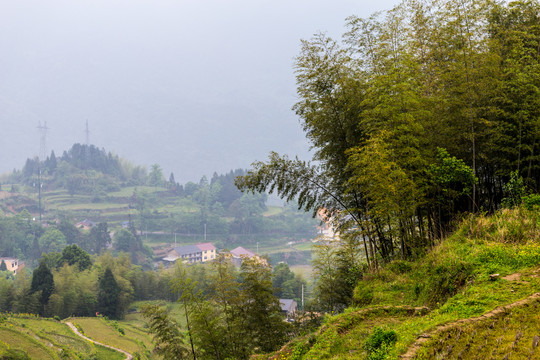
[[287, 304], [240, 251], [206, 246], [187, 249]]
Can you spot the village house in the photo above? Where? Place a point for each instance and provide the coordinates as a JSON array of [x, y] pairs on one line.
[[208, 251], [327, 231], [240, 253], [12, 264], [202, 252], [85, 224], [288, 307]]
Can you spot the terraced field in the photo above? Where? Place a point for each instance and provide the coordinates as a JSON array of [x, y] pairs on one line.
[[47, 339], [118, 334]]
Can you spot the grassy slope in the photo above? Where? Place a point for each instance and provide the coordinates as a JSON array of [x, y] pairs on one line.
[[133, 340], [47, 339], [453, 282], [113, 209]]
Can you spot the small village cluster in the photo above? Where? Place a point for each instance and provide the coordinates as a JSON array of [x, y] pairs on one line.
[[204, 252]]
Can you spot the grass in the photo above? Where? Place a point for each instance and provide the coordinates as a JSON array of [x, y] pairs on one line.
[[108, 354], [304, 270], [48, 339], [104, 332], [22, 341], [174, 310], [304, 246], [94, 206], [453, 282], [128, 191], [510, 332], [273, 210]]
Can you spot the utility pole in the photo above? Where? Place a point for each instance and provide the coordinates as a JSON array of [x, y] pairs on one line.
[[302, 297], [42, 140], [87, 148], [39, 191], [87, 132], [42, 156]]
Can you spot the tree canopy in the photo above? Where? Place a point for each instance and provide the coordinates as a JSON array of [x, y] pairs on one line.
[[420, 114]]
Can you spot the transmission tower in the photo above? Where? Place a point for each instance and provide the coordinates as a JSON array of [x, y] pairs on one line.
[[43, 140], [87, 132], [42, 156]]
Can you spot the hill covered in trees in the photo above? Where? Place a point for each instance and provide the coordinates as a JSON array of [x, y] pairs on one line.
[[87, 183]]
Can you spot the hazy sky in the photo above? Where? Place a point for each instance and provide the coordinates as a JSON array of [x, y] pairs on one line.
[[196, 86]]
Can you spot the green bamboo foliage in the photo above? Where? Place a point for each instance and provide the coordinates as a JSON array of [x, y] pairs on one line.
[[419, 115], [425, 87]]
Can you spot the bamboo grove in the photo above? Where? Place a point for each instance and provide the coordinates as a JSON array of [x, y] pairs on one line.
[[419, 114]]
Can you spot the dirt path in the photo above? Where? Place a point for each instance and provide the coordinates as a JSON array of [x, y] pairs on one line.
[[72, 327], [413, 349]]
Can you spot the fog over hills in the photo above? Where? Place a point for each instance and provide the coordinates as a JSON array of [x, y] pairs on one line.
[[196, 86]]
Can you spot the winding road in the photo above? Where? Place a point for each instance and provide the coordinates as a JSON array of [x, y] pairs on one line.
[[74, 329]]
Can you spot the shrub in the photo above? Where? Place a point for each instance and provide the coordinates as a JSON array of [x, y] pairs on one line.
[[400, 266], [514, 189], [444, 280], [379, 342], [117, 327], [531, 201], [299, 351], [362, 296], [14, 354]]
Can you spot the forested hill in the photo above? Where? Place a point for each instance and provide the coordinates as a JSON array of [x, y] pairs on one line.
[[86, 163], [87, 183], [86, 169]]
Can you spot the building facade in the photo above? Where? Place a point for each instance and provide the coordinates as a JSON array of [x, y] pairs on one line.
[[202, 252]]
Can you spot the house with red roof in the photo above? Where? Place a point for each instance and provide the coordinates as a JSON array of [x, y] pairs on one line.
[[208, 251], [202, 252]]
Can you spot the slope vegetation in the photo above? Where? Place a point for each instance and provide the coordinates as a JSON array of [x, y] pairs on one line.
[[26, 336], [474, 295]]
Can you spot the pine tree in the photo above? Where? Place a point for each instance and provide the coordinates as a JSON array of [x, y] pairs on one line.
[[42, 280], [108, 292]]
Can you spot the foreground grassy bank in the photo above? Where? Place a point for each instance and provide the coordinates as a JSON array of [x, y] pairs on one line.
[[489, 262], [26, 336]]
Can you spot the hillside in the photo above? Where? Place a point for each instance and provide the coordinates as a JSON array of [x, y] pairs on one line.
[[26, 336], [473, 296], [87, 183]]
